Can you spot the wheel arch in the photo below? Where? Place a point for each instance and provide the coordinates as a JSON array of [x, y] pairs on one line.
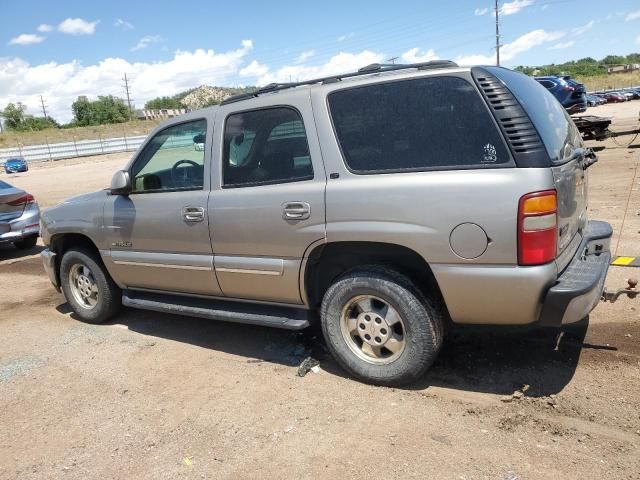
[[328, 261], [63, 242]]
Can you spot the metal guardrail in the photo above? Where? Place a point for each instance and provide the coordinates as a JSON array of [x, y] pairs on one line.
[[80, 148]]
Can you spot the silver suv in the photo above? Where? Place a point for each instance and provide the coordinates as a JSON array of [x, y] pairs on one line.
[[391, 201]]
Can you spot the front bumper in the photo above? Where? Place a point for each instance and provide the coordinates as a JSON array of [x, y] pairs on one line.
[[49, 261], [579, 287], [27, 225]]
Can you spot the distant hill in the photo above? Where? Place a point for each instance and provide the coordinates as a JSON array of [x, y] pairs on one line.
[[195, 98]]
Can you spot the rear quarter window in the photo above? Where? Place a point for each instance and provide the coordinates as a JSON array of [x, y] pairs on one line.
[[4, 185], [418, 124], [554, 125]]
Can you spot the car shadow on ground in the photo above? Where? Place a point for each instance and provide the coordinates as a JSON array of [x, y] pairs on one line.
[[9, 252], [480, 359]]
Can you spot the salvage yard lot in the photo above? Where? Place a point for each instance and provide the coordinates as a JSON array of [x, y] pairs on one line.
[[159, 396]]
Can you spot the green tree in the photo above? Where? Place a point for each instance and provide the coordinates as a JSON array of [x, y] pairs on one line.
[[163, 102], [106, 109], [13, 115]]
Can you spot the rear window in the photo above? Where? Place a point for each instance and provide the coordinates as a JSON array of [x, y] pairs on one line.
[[556, 129], [419, 124], [4, 185]]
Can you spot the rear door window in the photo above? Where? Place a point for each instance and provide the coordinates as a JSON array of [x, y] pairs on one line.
[[263, 147], [431, 123]]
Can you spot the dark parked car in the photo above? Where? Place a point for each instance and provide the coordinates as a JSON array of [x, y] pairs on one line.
[[595, 100], [630, 93], [613, 97], [571, 94], [13, 165]]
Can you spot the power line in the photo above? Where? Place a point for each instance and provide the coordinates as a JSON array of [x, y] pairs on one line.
[[126, 87], [44, 107]]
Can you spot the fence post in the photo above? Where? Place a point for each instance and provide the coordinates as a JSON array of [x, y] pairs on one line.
[[101, 144], [20, 149], [75, 145], [126, 147], [48, 148]]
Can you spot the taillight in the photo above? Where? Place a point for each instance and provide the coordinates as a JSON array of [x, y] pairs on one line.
[[23, 200], [569, 89], [537, 228]]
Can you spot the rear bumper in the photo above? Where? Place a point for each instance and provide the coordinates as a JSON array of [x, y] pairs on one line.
[[579, 287], [27, 225]]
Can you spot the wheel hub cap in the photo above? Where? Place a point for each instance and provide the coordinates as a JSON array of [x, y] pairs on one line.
[[83, 286], [373, 329]]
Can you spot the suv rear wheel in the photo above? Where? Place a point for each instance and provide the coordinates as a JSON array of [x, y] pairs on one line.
[[380, 327], [88, 287]]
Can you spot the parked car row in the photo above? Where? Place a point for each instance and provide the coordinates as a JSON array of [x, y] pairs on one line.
[[573, 97]]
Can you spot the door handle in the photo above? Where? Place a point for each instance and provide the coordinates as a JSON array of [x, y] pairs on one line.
[[193, 214], [296, 211]]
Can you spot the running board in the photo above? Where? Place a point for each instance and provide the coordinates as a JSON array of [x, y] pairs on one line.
[[226, 311]]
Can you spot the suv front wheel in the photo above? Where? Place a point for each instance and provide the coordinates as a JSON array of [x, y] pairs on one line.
[[88, 287], [380, 327]]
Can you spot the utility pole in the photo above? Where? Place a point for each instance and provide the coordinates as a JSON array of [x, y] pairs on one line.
[[497, 33], [44, 107], [392, 60], [126, 87]]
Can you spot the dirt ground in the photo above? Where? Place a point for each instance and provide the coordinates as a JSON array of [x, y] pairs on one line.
[[158, 396]]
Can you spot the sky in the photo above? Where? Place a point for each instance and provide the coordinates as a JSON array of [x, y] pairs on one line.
[[67, 48]]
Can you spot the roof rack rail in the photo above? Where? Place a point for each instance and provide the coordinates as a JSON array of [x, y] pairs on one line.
[[367, 70]]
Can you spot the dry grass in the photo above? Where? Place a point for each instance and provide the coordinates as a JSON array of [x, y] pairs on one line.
[[56, 135], [608, 82]]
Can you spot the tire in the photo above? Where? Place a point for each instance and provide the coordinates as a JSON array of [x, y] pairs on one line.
[[26, 243], [104, 298], [368, 289]]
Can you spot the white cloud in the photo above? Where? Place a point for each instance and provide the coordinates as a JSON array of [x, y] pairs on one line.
[[77, 26], [304, 56], [416, 56], [43, 27], [26, 39], [346, 36], [561, 45], [62, 83], [123, 24], [511, 8], [512, 49], [254, 69], [340, 63], [145, 41], [478, 12], [632, 16], [584, 28]]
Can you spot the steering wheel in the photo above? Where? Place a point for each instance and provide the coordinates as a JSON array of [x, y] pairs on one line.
[[183, 177]]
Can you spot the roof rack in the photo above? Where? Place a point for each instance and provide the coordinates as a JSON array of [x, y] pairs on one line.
[[369, 69]]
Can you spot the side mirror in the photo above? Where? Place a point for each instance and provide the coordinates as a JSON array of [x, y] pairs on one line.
[[238, 139], [120, 183], [199, 138]]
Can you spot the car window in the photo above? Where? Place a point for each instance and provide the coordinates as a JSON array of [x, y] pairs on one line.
[[264, 147], [4, 185], [419, 124], [172, 160], [547, 83], [555, 127]]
